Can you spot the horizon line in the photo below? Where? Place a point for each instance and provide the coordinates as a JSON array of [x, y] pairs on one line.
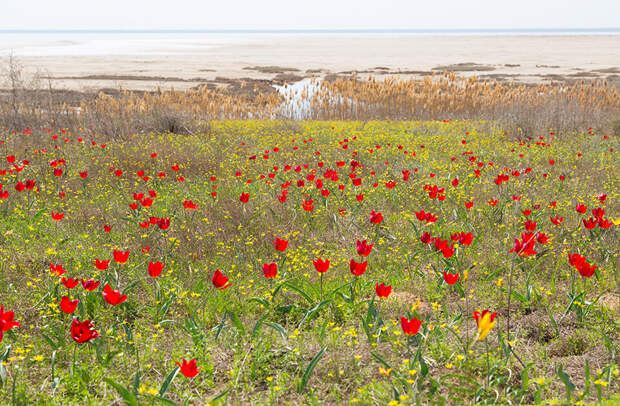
[[310, 30]]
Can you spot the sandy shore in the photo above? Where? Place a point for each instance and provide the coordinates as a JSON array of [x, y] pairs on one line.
[[183, 62]]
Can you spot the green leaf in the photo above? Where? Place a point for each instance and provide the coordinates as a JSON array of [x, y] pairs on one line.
[[164, 400], [570, 387], [310, 368], [220, 396], [166, 383], [381, 360], [125, 394], [3, 358], [257, 325], [300, 291], [237, 322], [219, 328], [554, 324], [136, 383], [519, 297], [278, 328], [259, 301], [525, 380], [311, 312]]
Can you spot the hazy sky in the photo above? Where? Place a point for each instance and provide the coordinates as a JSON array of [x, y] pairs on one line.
[[309, 14]]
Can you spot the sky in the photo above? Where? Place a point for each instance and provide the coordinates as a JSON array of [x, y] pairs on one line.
[[309, 14]]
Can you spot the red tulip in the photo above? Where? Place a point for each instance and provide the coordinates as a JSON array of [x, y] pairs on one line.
[[321, 265], [525, 246], [581, 208], [383, 290], [244, 197], [90, 285], [102, 265], [357, 268], [586, 270], [67, 305], [590, 223], [376, 218], [579, 262], [163, 223], [466, 239], [449, 278], [70, 283], [363, 248], [542, 238], [280, 244], [113, 297], [598, 212], [604, 223], [82, 332], [308, 205], [426, 238], [188, 204], [57, 270], [155, 268], [270, 270], [57, 216], [557, 220], [219, 280], [410, 327], [121, 257], [188, 369], [6, 321]]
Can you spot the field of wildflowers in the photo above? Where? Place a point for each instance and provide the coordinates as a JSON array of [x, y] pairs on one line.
[[267, 262]]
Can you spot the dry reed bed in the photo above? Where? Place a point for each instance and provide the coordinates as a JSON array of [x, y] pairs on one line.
[[523, 109]]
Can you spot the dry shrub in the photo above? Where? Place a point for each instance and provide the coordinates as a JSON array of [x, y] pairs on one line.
[[616, 128], [522, 110]]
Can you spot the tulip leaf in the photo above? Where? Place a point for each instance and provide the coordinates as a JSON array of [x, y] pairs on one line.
[[300, 291], [310, 368], [570, 387], [237, 322], [166, 383], [381, 360], [220, 396], [3, 359], [312, 311], [136, 383], [219, 328], [277, 327], [259, 301], [257, 325], [129, 399], [164, 400]]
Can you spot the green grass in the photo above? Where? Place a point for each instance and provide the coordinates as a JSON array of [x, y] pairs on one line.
[[300, 339]]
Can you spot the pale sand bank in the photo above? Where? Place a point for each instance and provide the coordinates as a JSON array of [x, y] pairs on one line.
[[183, 62]]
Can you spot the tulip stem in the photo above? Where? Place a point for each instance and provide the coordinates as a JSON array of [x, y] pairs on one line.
[[486, 342], [321, 286], [74, 359]]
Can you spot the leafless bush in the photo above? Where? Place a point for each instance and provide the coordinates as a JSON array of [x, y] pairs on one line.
[[524, 111]]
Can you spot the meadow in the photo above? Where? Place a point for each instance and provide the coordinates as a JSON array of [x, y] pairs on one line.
[[309, 262]]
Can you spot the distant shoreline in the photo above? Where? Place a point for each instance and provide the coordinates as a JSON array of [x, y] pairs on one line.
[[438, 31], [148, 61]]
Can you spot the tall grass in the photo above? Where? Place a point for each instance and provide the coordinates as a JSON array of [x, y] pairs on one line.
[[520, 109]]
